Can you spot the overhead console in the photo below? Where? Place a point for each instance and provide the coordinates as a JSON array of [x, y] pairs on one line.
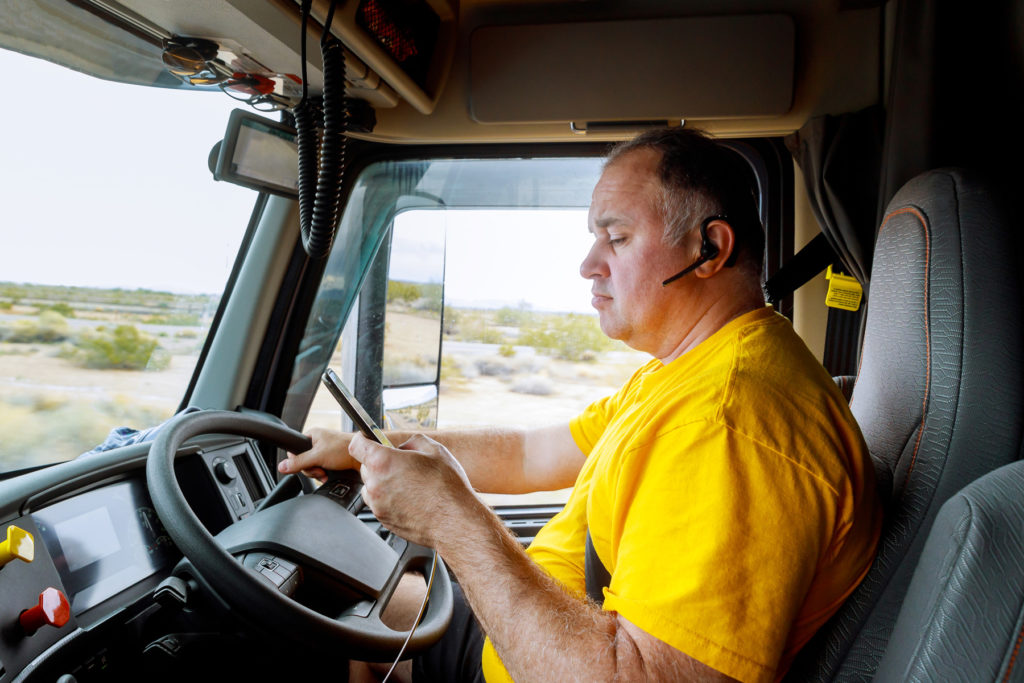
[[646, 69], [397, 49], [409, 44]]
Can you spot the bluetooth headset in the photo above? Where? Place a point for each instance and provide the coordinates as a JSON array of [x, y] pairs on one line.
[[708, 251]]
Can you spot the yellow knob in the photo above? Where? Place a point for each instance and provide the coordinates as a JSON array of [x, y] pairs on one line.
[[19, 544]]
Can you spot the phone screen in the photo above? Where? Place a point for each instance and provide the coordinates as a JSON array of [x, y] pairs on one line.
[[360, 418]]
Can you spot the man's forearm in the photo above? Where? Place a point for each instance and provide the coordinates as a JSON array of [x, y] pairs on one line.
[[541, 632], [508, 460], [492, 457]]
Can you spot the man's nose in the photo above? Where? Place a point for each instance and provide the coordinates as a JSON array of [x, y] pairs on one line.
[[593, 265]]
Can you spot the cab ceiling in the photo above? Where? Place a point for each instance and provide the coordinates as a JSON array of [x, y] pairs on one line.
[[521, 71]]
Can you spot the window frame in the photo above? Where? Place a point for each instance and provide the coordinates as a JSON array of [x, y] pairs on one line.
[[268, 388]]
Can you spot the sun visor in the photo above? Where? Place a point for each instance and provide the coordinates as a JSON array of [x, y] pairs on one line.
[[61, 32], [681, 68]]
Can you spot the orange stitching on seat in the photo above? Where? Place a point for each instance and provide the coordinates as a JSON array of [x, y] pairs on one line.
[[927, 338], [1013, 657]]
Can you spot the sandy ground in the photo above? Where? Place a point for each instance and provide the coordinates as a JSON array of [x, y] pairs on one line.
[[41, 371], [480, 388]]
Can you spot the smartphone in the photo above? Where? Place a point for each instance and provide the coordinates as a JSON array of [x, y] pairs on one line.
[[360, 418]]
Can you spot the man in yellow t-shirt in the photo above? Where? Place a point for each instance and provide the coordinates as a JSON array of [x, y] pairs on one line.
[[723, 501]]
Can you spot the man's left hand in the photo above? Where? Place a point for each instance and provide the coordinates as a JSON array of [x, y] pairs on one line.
[[416, 490]]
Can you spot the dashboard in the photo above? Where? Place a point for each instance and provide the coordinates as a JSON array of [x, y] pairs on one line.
[[99, 542], [96, 557]]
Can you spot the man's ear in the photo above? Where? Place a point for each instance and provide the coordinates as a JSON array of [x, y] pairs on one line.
[[721, 233]]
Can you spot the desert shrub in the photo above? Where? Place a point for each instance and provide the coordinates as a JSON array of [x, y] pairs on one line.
[[475, 327], [451, 321], [409, 370], [6, 305], [450, 368], [421, 416], [182, 319], [124, 347], [60, 308], [48, 328], [535, 385], [571, 337], [486, 335], [455, 373], [493, 367], [40, 428], [507, 351], [513, 317], [406, 292], [186, 334], [458, 368], [431, 298]]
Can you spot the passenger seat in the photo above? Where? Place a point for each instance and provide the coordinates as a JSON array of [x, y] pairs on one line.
[[963, 617], [939, 394]]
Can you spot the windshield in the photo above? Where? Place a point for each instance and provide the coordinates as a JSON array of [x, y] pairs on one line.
[[470, 310], [117, 244]]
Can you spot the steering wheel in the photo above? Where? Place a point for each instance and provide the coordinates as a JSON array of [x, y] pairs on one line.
[[254, 565]]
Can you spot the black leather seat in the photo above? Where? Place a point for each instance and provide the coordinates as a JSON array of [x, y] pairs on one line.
[[939, 393], [963, 617]]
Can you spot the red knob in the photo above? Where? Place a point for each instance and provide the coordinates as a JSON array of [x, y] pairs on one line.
[[53, 609]]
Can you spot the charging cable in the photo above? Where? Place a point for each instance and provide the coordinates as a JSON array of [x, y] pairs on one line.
[[419, 616]]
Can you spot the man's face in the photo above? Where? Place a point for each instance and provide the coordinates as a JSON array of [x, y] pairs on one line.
[[629, 259]]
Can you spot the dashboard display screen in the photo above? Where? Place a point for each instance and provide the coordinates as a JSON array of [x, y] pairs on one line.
[[104, 541]]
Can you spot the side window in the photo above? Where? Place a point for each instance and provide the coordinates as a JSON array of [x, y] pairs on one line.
[[115, 246], [453, 297], [521, 345], [456, 301]]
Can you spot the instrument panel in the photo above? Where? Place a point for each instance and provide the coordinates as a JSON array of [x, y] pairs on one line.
[[104, 541], [98, 550]]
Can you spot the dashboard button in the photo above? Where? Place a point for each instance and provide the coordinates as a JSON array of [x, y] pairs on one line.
[[53, 610], [19, 545], [285, 575], [225, 471]]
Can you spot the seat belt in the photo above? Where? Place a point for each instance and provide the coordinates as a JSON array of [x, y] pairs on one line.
[[596, 574], [813, 258]]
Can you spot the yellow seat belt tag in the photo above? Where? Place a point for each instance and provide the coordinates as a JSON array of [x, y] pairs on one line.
[[843, 291]]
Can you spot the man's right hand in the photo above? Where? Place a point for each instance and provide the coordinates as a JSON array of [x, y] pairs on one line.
[[329, 452]]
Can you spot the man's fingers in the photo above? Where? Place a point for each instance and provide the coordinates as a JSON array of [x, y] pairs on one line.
[[295, 463], [318, 473], [361, 448], [419, 442]]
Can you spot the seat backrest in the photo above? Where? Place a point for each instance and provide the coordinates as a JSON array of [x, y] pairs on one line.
[[963, 616], [939, 392]]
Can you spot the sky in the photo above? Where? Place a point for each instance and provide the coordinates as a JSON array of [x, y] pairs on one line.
[[498, 257], [107, 185]]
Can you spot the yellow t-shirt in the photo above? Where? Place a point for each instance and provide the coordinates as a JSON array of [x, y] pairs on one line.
[[729, 494]]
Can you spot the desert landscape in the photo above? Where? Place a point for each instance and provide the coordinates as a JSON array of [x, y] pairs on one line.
[[76, 363]]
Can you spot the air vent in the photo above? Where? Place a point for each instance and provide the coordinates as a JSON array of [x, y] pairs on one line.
[[245, 471]]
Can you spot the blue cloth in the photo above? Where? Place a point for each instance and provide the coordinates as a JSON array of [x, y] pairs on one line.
[[126, 436]]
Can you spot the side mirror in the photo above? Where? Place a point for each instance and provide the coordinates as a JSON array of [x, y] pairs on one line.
[[414, 314]]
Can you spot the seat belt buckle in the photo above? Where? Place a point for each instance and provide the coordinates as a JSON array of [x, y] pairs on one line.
[[843, 291]]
